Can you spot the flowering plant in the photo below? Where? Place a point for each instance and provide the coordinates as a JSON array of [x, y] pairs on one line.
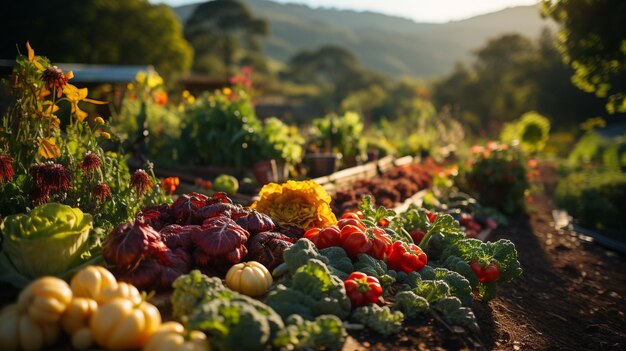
[[44, 160], [299, 204], [496, 174]]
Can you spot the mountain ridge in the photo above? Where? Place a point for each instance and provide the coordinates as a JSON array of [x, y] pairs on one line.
[[384, 43]]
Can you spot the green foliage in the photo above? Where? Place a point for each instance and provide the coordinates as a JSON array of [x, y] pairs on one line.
[[339, 134], [134, 32], [282, 142], [226, 123], [194, 288], [379, 319], [592, 44], [410, 304], [223, 31], [595, 199], [452, 312], [232, 321], [313, 291], [339, 262], [231, 325], [531, 131], [326, 332], [497, 178], [459, 285]]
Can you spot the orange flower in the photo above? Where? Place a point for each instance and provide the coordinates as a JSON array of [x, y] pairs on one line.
[[74, 95], [301, 204], [170, 184]]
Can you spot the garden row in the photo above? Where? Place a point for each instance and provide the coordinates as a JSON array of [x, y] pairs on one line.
[[82, 235]]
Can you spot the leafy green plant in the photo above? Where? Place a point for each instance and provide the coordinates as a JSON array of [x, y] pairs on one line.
[[595, 200], [52, 151], [282, 142], [531, 132], [339, 134], [497, 177], [221, 129]]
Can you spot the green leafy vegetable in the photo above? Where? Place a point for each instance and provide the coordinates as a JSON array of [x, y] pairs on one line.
[[459, 286], [410, 304], [58, 230], [326, 332], [231, 325], [303, 250], [443, 233], [432, 290], [191, 290], [379, 319], [451, 310], [234, 321], [502, 253], [313, 291]]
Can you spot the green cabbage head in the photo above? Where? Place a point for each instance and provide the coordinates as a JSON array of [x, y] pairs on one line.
[[48, 240]]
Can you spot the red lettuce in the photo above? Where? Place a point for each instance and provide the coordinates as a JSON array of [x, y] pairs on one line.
[[217, 210], [128, 244], [184, 209], [221, 242], [256, 222], [176, 236], [268, 248], [155, 216]]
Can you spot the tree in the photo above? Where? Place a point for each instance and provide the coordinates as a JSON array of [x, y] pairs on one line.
[[335, 70], [593, 42], [97, 32], [218, 30]]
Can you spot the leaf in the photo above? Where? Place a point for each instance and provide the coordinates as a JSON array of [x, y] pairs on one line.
[[48, 148], [31, 52]]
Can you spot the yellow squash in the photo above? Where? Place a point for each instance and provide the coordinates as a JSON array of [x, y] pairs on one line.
[[171, 336], [122, 289], [77, 314], [249, 278], [91, 281], [82, 339], [19, 332], [122, 324], [45, 299]]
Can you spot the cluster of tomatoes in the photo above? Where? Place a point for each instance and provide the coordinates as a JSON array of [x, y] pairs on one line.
[[355, 237], [472, 227]]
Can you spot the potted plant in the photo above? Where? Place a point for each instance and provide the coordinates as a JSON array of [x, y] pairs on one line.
[[333, 138], [282, 143]]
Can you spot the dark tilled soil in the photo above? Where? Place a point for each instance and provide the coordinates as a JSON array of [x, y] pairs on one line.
[[570, 296]]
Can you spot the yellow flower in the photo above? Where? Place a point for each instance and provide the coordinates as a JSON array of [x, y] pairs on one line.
[[301, 204], [227, 91], [74, 95], [98, 120], [105, 135], [48, 148]]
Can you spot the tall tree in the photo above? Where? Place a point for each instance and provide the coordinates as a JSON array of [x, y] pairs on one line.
[[221, 31], [593, 42], [96, 31]]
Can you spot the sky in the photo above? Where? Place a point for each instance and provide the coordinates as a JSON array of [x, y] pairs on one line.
[[435, 11]]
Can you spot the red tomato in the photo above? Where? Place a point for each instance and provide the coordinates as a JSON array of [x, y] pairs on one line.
[[358, 215], [417, 235], [362, 289], [354, 240], [406, 257], [351, 221], [325, 237], [381, 242], [432, 217]]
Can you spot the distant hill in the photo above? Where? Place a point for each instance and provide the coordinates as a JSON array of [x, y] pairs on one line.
[[387, 44]]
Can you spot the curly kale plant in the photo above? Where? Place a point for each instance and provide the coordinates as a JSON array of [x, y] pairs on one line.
[[382, 320], [326, 332]]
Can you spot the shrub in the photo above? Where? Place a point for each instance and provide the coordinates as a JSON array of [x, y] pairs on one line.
[[595, 200]]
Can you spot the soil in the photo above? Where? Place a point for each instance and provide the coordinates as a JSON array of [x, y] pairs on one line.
[[570, 296]]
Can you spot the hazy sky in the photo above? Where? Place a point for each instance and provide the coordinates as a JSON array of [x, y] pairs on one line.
[[418, 10]]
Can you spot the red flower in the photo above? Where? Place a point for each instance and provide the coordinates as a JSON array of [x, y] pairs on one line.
[[39, 196], [6, 168], [90, 163], [101, 192], [140, 180], [55, 78], [50, 176], [170, 184]]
